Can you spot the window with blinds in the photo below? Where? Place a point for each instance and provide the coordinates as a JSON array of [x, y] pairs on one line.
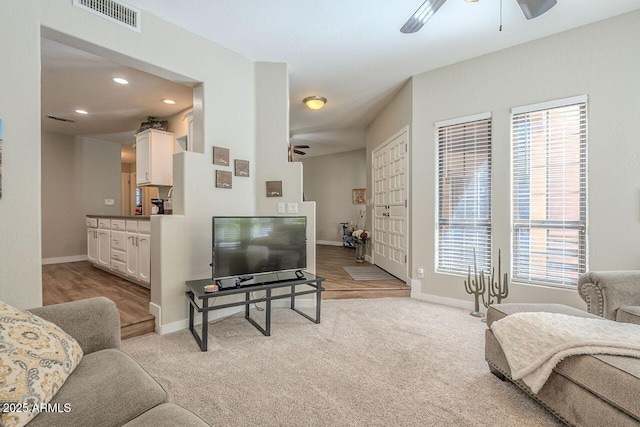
[[464, 194], [550, 192]]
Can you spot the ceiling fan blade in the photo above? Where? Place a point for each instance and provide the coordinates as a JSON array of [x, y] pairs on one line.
[[301, 146], [302, 153], [534, 8], [421, 16]]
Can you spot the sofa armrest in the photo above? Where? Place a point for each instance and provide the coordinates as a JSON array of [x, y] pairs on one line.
[[606, 291], [93, 322]]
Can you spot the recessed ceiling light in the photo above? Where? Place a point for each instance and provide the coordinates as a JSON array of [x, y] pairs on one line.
[[120, 81], [82, 112], [169, 101]]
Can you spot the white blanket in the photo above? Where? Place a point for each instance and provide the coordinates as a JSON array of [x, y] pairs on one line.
[[534, 343]]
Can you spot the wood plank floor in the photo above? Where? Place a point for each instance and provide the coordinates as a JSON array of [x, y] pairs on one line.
[[79, 280], [329, 263]]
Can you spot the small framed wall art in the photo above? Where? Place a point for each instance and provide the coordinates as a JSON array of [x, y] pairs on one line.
[[241, 167], [274, 188], [223, 179], [220, 156], [359, 196]]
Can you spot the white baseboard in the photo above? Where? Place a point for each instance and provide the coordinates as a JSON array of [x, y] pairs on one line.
[[63, 259], [155, 310], [452, 302], [369, 259], [328, 242]]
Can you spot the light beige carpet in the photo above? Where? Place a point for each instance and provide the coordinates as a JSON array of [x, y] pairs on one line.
[[384, 362]]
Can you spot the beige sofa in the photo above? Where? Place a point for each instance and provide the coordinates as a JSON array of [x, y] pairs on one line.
[[614, 295], [107, 388], [585, 390]]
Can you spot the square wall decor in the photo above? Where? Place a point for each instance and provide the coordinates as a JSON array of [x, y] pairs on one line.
[[221, 156], [241, 167], [274, 188], [223, 179], [359, 196]]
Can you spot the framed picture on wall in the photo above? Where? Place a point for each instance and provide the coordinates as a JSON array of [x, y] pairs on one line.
[[274, 188], [241, 167], [221, 156], [223, 179], [359, 196]]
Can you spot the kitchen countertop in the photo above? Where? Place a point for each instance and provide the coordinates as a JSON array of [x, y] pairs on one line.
[[120, 216]]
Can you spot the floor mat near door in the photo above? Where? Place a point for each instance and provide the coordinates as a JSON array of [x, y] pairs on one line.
[[367, 273]]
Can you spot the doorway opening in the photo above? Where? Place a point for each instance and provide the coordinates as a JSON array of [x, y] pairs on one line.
[[89, 122]]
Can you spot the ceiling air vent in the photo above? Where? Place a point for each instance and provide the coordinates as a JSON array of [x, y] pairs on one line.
[[113, 10]]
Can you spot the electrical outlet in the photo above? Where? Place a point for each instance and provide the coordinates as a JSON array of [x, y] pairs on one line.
[[421, 273], [281, 207], [292, 208], [109, 202]]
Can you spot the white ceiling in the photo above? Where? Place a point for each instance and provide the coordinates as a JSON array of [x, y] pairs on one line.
[[352, 51], [349, 51], [73, 79]]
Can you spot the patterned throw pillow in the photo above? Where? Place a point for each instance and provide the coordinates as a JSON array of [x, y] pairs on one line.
[[36, 357]]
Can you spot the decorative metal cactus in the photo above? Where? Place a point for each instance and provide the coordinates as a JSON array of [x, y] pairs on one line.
[[495, 289], [499, 289], [475, 287]]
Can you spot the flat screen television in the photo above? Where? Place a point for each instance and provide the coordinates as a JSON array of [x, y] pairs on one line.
[[244, 247]]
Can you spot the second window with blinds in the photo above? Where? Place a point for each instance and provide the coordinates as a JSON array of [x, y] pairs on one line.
[[464, 194], [550, 192]]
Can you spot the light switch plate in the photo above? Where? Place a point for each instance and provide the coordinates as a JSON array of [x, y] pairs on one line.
[[281, 207], [109, 202], [292, 208]]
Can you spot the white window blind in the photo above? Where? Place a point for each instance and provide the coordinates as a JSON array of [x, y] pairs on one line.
[[464, 195], [549, 193]]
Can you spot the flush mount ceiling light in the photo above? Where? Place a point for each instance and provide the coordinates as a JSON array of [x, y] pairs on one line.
[[120, 81], [169, 101], [314, 102], [82, 112]]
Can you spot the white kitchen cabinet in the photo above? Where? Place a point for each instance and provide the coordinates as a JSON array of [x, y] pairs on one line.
[[104, 248], [144, 258], [92, 245], [189, 117], [154, 158], [121, 247], [138, 264], [132, 255]]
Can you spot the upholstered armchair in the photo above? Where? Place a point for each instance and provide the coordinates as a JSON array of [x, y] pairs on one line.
[[614, 295]]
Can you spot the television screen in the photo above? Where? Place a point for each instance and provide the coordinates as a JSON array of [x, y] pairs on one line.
[[246, 246]]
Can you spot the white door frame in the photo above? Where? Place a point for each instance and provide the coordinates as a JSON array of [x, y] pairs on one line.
[[404, 130]]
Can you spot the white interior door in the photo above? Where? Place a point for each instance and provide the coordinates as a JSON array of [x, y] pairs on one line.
[[390, 206]]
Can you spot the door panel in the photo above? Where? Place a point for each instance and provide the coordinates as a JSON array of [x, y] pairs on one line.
[[390, 206], [132, 255], [144, 258]]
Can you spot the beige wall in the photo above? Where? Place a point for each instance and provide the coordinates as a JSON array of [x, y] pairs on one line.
[[272, 136], [228, 93], [77, 175], [599, 60], [329, 181]]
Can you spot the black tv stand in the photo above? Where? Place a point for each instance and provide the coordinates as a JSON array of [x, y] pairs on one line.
[[196, 291]]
